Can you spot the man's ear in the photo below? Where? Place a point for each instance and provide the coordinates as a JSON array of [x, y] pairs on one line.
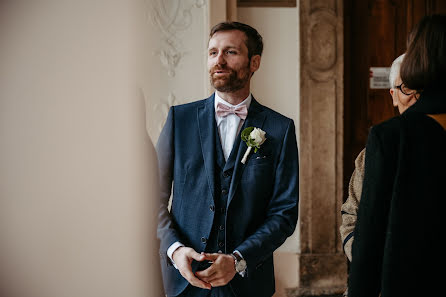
[[255, 63]]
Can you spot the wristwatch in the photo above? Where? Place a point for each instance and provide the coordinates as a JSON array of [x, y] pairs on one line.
[[239, 262]]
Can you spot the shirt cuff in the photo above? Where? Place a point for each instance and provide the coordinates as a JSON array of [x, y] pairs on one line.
[[172, 249]]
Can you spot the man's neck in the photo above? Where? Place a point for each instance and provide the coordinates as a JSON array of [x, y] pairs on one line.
[[236, 97]]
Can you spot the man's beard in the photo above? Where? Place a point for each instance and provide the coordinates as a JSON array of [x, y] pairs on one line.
[[231, 83]]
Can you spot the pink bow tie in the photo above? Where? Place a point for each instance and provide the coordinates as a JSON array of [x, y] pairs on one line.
[[224, 110]]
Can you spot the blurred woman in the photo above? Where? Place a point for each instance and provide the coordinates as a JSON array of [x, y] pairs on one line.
[[398, 246]]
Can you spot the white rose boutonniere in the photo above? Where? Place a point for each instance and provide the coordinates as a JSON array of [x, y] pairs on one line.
[[254, 138]]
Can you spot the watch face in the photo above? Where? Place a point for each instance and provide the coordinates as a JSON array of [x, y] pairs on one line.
[[240, 265]]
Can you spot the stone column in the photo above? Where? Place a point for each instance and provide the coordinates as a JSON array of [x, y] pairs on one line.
[[322, 264]]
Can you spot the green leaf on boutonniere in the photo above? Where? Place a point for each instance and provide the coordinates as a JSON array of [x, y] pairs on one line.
[[245, 136]]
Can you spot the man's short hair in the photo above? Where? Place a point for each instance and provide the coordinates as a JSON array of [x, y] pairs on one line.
[[254, 41], [395, 70]]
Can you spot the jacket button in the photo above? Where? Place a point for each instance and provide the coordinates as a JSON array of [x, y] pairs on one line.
[[203, 240], [224, 191], [212, 208], [222, 210], [221, 244], [222, 227], [226, 174]]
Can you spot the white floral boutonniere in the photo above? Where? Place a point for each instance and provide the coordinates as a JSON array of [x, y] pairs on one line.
[[253, 137]]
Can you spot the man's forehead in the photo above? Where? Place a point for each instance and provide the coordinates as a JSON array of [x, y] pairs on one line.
[[225, 45], [235, 38]]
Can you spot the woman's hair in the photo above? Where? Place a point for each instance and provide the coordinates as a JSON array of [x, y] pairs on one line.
[[424, 65]]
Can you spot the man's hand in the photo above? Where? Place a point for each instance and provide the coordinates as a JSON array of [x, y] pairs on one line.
[[221, 272], [183, 257]]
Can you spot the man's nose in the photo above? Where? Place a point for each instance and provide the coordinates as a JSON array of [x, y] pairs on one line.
[[221, 59]]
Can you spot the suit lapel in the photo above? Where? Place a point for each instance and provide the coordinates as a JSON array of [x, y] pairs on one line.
[[255, 118], [220, 158], [206, 128]]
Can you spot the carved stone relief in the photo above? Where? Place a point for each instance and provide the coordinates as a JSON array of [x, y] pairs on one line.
[[158, 114], [171, 17], [323, 54], [163, 107], [324, 4], [322, 49], [174, 22]]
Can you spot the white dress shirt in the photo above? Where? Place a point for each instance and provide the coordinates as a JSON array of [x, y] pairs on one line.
[[229, 126], [228, 129]]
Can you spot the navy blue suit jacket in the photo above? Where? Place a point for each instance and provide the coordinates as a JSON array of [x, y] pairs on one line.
[[262, 206]]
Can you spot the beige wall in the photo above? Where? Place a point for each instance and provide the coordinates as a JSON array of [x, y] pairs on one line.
[[77, 170], [276, 83]]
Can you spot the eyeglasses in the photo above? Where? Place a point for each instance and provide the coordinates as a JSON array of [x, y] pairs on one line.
[[405, 90]]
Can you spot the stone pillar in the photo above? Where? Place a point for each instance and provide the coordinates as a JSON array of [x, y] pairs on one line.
[[322, 264]]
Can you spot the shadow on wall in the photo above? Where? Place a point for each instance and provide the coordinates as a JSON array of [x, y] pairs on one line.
[[78, 175]]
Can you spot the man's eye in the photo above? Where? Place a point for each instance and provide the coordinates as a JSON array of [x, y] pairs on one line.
[[231, 52], [213, 53]]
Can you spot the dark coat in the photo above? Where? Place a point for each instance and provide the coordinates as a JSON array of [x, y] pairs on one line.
[[399, 247], [262, 206]]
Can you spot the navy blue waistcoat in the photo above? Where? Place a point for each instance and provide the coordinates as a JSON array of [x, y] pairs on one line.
[[223, 175]]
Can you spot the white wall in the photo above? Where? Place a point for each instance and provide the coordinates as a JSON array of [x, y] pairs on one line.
[[78, 176], [276, 83]]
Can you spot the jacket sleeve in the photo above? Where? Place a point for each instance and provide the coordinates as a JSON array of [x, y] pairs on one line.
[[282, 211], [370, 230], [349, 210], [165, 151]]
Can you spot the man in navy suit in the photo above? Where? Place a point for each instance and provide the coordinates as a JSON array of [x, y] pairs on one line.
[[227, 217]]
